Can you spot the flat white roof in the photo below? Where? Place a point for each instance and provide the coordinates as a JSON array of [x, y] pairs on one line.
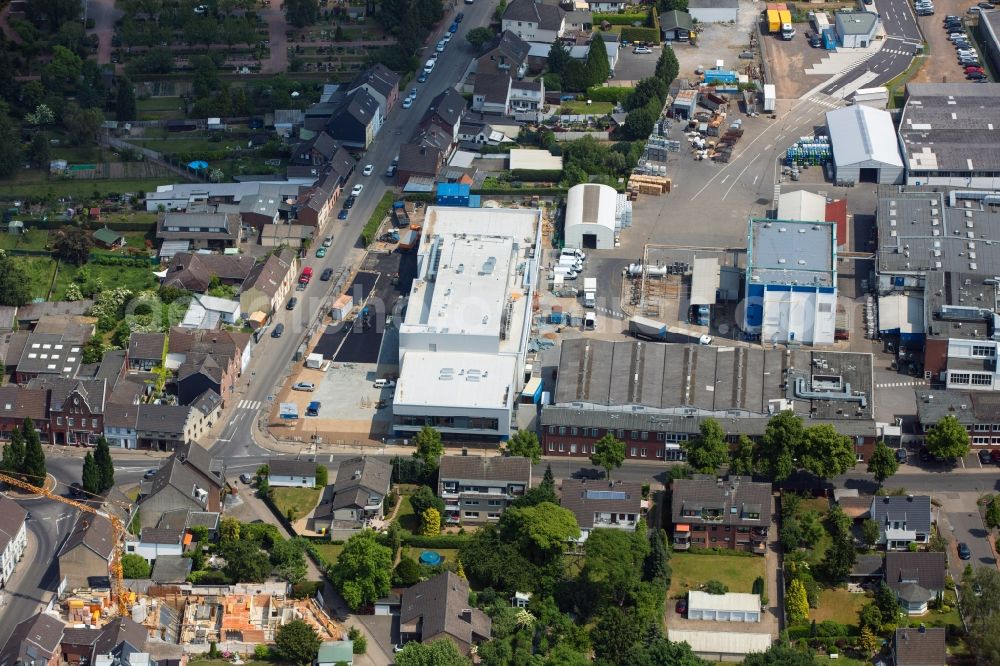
[[473, 262], [802, 205], [721, 642], [527, 158], [731, 601], [902, 311], [705, 280], [448, 379]]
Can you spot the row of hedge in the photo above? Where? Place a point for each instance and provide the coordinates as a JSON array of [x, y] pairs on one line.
[[440, 541], [634, 34], [116, 260], [529, 191], [619, 19], [375, 221], [615, 95], [531, 175], [116, 226]]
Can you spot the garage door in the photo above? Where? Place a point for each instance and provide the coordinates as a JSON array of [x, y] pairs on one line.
[[590, 241]]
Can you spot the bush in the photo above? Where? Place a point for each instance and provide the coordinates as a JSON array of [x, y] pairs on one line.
[[360, 642], [306, 589], [440, 541], [262, 652], [632, 34], [831, 629], [607, 94], [720, 551], [619, 19], [716, 587], [370, 229], [536, 175], [407, 571]]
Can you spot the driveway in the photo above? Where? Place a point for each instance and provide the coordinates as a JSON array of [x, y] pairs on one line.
[[104, 14], [961, 522]]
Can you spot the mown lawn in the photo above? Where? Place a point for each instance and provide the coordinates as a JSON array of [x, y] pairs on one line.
[[407, 519], [691, 571], [839, 605], [32, 239], [295, 502], [329, 551], [575, 108], [448, 555], [189, 145]]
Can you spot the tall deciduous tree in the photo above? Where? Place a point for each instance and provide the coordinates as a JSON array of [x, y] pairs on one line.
[[479, 37], [525, 443], [363, 571], [73, 245], [947, 438], [782, 439], [541, 531], [134, 566], [883, 463], [429, 447], [709, 450], [609, 453], [297, 642], [301, 13], [82, 124], [825, 452], [543, 492], [741, 458], [425, 499], [10, 148], [870, 533], [246, 562], [438, 653]]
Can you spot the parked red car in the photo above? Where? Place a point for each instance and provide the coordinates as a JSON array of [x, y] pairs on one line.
[[682, 606], [970, 70]]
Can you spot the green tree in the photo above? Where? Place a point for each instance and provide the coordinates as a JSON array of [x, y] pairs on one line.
[[741, 459], [870, 618], [134, 566], [297, 642], [10, 152], [883, 463], [613, 566], [51, 15], [779, 653], [667, 67], [947, 439], [575, 77], [301, 13], [640, 122], [540, 532], [73, 245], [993, 512], [438, 653], [360, 642], [429, 447], [82, 124], [825, 452], [105, 465], [649, 89], [407, 571], [796, 603], [229, 530], [363, 571], [430, 522], [525, 443], [790, 535], [38, 151], [609, 453], [887, 604], [558, 57], [13, 453], [62, 74], [869, 642], [322, 476], [288, 557], [125, 107], [708, 451], [91, 475], [598, 67], [479, 37], [245, 562], [981, 594], [34, 456], [656, 566], [425, 499], [870, 533], [840, 557], [543, 492], [781, 441]]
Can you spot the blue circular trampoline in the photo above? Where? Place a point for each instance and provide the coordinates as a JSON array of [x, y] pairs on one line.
[[429, 557]]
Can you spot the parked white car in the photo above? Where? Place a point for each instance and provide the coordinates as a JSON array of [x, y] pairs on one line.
[[356, 191]]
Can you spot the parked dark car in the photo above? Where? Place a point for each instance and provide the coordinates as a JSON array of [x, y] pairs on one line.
[[326, 274], [349, 203], [995, 455], [901, 455], [292, 302], [681, 606], [278, 330], [587, 473], [984, 458], [963, 551], [342, 215], [976, 76], [460, 17]]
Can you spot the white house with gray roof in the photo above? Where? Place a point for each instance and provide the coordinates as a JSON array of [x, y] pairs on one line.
[[357, 496], [477, 489], [534, 21], [902, 520]]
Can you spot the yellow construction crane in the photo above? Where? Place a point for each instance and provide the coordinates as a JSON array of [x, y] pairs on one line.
[[118, 592]]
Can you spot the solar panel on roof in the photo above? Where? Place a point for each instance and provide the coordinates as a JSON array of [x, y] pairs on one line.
[[605, 495]]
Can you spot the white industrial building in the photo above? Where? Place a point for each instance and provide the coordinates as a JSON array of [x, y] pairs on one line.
[[864, 146], [713, 11], [729, 607], [463, 340], [791, 281], [591, 216], [802, 206], [856, 30]]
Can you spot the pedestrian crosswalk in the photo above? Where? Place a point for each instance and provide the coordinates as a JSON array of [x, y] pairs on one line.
[[248, 404], [916, 382], [612, 313], [825, 102]]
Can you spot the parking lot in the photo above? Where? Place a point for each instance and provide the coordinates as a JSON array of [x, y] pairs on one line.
[[790, 60], [942, 66], [635, 66]]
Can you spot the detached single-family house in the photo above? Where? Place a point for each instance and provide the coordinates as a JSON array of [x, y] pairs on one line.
[[534, 21], [675, 26], [491, 94], [108, 239], [13, 537], [154, 542], [527, 99], [285, 473], [439, 608], [597, 504], [916, 578], [86, 554], [194, 272], [359, 493], [505, 54], [607, 5], [478, 490], [190, 479], [923, 646], [35, 642], [902, 520]]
